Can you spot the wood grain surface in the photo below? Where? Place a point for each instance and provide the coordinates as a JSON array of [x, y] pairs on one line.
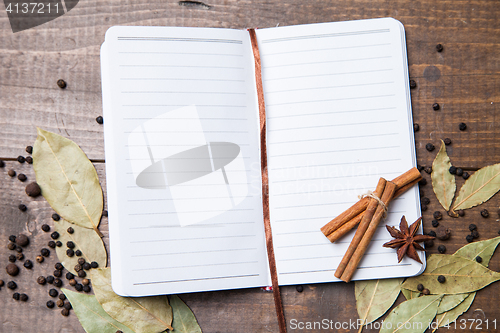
[[463, 79]]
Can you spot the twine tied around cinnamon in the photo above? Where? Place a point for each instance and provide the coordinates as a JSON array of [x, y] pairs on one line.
[[371, 194]]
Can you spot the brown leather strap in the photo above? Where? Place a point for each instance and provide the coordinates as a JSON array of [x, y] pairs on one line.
[[265, 192]]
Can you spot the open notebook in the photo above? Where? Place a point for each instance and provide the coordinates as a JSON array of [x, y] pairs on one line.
[[182, 151]]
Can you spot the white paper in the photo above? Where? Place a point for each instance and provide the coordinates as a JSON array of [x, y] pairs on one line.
[[338, 118]]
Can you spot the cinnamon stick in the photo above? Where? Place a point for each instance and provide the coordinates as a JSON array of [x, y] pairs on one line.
[[349, 225], [387, 196], [402, 182], [363, 225]]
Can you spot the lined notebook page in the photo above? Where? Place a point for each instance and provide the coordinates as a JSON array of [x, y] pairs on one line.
[[182, 161], [338, 118]]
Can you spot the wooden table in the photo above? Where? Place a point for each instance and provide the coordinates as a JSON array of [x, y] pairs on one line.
[[464, 79]]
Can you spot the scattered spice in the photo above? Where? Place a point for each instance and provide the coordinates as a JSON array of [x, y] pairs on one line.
[[12, 238], [70, 276], [430, 147], [425, 200], [461, 213], [460, 172], [65, 312], [447, 141], [81, 261], [11, 173], [422, 182], [28, 264], [72, 282], [70, 230], [78, 287], [62, 297], [19, 249], [45, 252], [462, 126], [416, 127], [12, 269], [472, 227], [59, 266], [33, 190], [51, 244], [420, 287], [22, 240], [82, 274], [479, 259], [11, 285], [2, 283], [428, 170], [465, 175], [413, 84], [426, 292], [22, 177], [24, 297], [443, 233], [57, 273], [441, 279], [423, 208], [56, 217], [86, 266], [78, 253], [94, 264], [86, 282], [453, 170], [60, 303], [67, 306], [12, 258], [437, 215], [61, 84], [39, 259], [435, 106], [439, 48], [53, 292], [54, 235], [58, 283], [469, 238], [11, 246], [2, 164], [22, 207], [432, 233], [16, 296], [86, 289], [441, 249], [435, 223], [29, 149], [70, 245], [29, 159], [99, 120], [70, 252], [485, 213], [50, 304], [41, 280], [20, 256], [475, 234], [21, 159], [46, 227], [58, 243], [50, 279]]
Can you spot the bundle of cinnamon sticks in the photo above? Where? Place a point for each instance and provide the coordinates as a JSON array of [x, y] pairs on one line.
[[367, 212]]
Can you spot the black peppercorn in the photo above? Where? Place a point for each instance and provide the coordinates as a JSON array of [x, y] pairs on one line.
[[479, 259], [420, 287], [11, 173], [19, 249], [12, 269], [60, 302], [58, 283], [29, 149], [86, 289], [21, 159], [22, 207], [485, 213], [72, 282], [39, 259], [426, 292], [22, 240], [469, 238], [423, 207], [29, 159], [12, 258], [441, 249], [413, 84], [65, 312], [45, 252], [57, 273], [99, 120], [435, 106], [54, 235], [428, 170], [53, 292], [465, 175], [50, 279], [460, 172], [41, 280], [86, 266], [11, 285], [2, 164], [425, 201], [59, 266], [28, 264], [420, 167], [70, 244], [105, 213], [441, 279], [447, 141], [24, 298], [429, 147], [422, 182], [50, 304], [16, 296], [78, 267], [432, 233], [78, 253], [45, 227], [58, 244], [81, 261], [70, 230], [439, 48], [67, 305], [78, 287], [33, 190], [461, 212], [70, 252], [416, 127], [12, 238], [22, 177], [11, 246], [453, 170], [437, 215], [56, 217], [82, 274], [62, 297], [462, 126], [94, 264], [435, 223], [52, 244], [61, 83], [475, 234], [70, 276], [20, 256], [2, 283], [85, 282], [472, 227]]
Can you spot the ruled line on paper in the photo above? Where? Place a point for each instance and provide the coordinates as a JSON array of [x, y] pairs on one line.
[[336, 138], [201, 118], [184, 66], [180, 79], [199, 279], [331, 99], [181, 105], [315, 36], [191, 212], [191, 226], [331, 125], [332, 164], [330, 217], [184, 184], [321, 178], [326, 62], [326, 49], [267, 92], [192, 252], [184, 92], [188, 239], [175, 145], [329, 74], [179, 39], [182, 53], [329, 112], [189, 266], [336, 151]]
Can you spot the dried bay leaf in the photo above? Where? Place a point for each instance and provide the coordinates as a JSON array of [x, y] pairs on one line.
[[443, 182], [91, 314], [484, 249], [184, 319], [449, 317], [462, 275], [451, 301], [412, 316], [68, 180], [410, 294], [85, 240], [375, 297], [481, 186], [150, 314]]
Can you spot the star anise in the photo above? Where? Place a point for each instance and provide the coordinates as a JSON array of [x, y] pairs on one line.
[[406, 241]]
